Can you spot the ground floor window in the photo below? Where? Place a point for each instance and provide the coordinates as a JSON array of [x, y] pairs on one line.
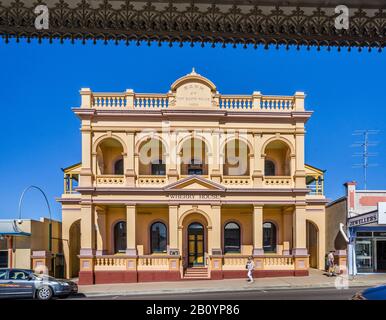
[[232, 237], [370, 251], [269, 237], [4, 259], [158, 237], [120, 237]]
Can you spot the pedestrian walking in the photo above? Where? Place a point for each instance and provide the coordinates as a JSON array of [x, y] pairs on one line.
[[331, 264], [250, 266]]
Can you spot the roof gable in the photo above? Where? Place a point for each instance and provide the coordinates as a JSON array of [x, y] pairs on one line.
[[194, 183]]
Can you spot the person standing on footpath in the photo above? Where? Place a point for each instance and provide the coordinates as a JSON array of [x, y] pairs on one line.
[[250, 266]]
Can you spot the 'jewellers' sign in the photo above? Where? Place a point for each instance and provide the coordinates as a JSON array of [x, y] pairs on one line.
[[363, 219]]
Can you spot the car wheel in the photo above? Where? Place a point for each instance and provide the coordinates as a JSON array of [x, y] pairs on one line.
[[44, 293]]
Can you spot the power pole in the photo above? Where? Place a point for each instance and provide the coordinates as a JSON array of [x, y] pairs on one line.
[[365, 154]]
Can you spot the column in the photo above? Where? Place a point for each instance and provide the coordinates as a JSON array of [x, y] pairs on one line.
[[171, 158], [129, 160], [215, 240], [299, 251], [173, 230], [131, 246], [258, 161], [87, 230], [258, 230], [299, 230], [86, 273], [300, 173], [100, 223], [86, 172], [215, 168], [287, 231]]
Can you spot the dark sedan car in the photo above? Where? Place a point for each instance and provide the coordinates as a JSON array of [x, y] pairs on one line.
[[374, 293], [23, 283]]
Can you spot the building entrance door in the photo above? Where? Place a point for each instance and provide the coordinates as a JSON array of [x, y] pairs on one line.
[[195, 244], [3, 258], [381, 255]]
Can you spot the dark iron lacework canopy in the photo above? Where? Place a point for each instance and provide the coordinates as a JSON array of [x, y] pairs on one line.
[[253, 23]]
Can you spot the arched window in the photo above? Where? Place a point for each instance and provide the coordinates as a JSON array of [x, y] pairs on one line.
[[195, 167], [118, 166], [232, 239], [158, 237], [269, 168], [158, 168], [120, 237], [269, 237]]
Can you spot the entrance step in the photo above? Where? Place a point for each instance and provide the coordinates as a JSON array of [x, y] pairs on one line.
[[196, 273]]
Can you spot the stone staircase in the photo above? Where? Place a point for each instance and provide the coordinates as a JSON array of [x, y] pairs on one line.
[[196, 273]]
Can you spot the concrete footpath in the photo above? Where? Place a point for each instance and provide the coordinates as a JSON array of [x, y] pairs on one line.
[[316, 279]]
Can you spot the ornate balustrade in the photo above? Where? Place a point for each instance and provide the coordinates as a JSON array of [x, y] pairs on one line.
[[236, 102], [151, 181], [278, 181], [278, 263], [110, 180], [277, 104], [153, 262], [110, 263], [237, 181], [109, 100], [234, 262], [151, 101], [142, 263], [148, 101], [269, 262]]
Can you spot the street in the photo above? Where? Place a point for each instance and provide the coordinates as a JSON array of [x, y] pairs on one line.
[[283, 294]]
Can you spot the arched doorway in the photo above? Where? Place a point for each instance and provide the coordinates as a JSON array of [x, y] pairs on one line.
[[312, 243], [196, 245], [74, 249]]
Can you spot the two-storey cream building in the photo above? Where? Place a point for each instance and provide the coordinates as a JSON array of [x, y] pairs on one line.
[[190, 183]]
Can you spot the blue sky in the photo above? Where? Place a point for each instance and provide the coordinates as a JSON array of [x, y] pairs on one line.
[[39, 84]]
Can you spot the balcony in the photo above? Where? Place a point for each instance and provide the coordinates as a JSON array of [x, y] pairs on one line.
[[151, 181], [314, 180], [237, 181], [278, 181], [109, 180]]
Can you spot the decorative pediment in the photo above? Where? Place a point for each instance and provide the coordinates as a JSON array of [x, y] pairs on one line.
[[194, 183], [193, 91]]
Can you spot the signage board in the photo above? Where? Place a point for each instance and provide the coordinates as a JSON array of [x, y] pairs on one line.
[[381, 212], [371, 217]]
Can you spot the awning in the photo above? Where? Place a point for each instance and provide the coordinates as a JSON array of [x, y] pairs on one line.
[[10, 228]]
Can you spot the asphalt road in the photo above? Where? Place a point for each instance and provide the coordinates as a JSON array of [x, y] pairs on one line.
[[285, 294]]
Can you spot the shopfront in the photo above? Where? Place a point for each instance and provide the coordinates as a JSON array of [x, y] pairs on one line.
[[369, 242]]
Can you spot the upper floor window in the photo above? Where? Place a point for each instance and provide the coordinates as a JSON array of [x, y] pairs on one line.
[[118, 167], [158, 168], [278, 159], [194, 157], [232, 237], [269, 168], [158, 237], [120, 237], [269, 237], [109, 157], [195, 167], [152, 157], [236, 161]]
